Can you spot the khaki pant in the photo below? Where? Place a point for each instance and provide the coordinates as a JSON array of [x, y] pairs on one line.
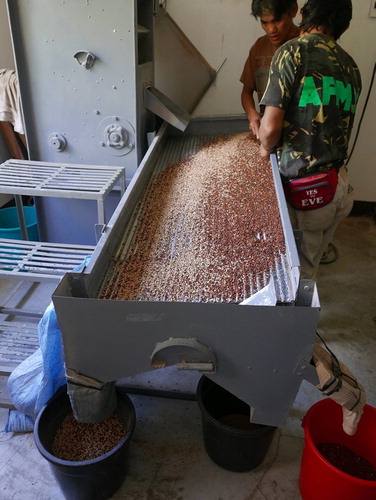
[[318, 226]]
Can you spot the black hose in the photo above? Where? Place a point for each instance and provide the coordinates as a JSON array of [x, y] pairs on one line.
[[362, 115]]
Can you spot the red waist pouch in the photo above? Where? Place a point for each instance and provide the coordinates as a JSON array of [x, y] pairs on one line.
[[312, 192]]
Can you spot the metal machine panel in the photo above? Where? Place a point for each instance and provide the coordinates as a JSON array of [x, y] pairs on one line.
[[259, 350], [184, 75], [78, 79], [83, 75]]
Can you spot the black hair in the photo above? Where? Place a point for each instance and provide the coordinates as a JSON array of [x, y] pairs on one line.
[[331, 16], [275, 7]]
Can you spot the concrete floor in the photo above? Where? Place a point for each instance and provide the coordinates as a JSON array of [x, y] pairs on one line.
[[167, 456]]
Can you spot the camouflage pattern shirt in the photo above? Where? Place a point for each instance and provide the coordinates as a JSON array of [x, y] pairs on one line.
[[318, 85]]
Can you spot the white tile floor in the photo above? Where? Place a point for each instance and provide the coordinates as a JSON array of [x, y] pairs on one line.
[[167, 456]]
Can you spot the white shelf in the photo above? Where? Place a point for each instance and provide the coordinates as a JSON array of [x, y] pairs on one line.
[[17, 342], [38, 261], [59, 180]]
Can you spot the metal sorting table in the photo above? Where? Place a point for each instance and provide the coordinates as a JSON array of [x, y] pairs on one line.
[[35, 178]]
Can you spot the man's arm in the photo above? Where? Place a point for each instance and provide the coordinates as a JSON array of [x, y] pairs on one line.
[[249, 106], [270, 129]]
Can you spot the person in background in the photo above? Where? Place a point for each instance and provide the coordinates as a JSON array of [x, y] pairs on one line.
[[310, 103], [276, 17]]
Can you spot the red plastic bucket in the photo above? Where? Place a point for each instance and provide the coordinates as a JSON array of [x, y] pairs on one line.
[[319, 479]]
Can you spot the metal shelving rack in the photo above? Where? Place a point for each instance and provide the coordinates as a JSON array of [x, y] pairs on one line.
[[33, 262], [35, 178], [39, 261]]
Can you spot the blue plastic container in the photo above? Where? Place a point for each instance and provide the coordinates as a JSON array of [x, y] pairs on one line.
[[10, 226]]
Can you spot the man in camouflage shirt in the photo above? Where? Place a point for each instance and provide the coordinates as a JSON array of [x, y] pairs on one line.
[[310, 102]]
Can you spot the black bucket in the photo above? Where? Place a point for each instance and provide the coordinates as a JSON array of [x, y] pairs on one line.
[[230, 440], [94, 479]]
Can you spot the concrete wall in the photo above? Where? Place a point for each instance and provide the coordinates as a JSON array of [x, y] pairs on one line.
[[6, 60], [223, 31], [6, 53]]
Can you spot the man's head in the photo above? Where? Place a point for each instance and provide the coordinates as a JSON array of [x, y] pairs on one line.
[[274, 7], [276, 18], [330, 16]]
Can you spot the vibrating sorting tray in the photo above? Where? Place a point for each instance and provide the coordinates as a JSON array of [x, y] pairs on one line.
[[197, 268]]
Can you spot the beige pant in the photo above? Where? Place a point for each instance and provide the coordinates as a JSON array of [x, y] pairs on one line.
[[318, 226]]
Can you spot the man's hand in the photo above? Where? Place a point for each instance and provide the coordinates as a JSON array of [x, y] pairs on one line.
[[270, 129], [254, 123], [249, 107], [264, 153]]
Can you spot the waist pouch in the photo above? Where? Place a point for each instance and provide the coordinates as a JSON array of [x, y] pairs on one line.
[[312, 192]]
